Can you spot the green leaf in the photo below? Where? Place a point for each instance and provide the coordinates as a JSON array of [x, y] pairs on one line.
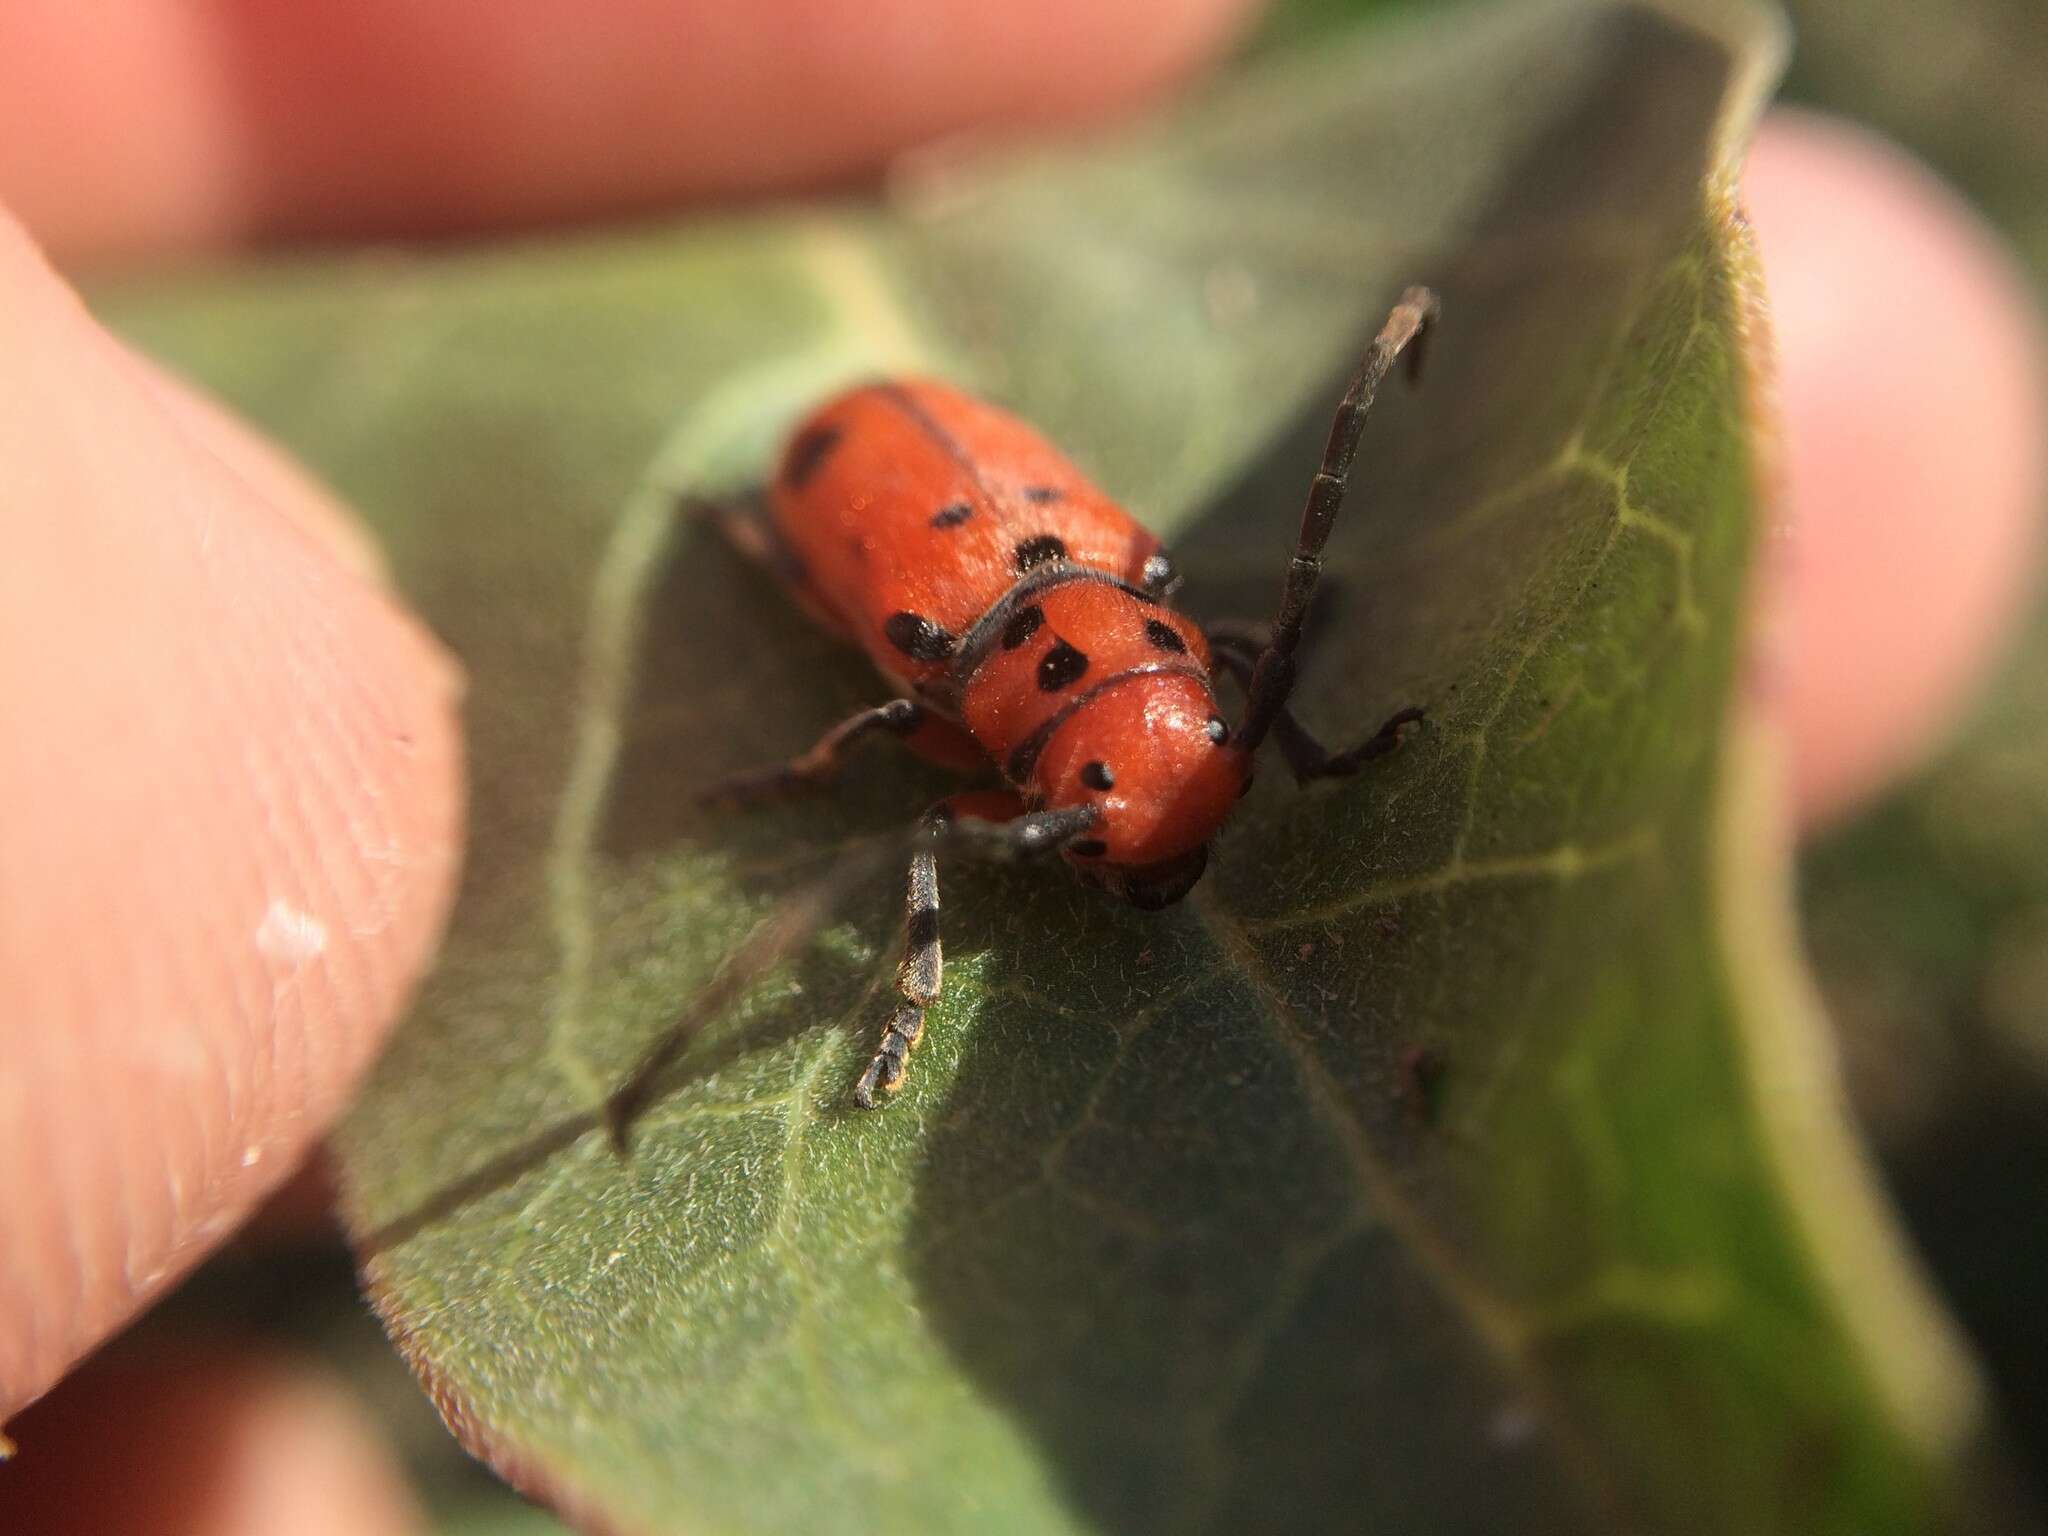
[[1167, 1232]]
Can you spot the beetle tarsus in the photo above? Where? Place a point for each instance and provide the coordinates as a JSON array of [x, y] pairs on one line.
[[891, 1063]]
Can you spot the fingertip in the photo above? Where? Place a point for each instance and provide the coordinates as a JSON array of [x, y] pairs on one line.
[[274, 478], [231, 833], [1911, 385]]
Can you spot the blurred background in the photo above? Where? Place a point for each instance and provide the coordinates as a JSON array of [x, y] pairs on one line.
[[1927, 916]]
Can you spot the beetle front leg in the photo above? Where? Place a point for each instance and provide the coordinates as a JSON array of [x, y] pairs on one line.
[[989, 825], [1236, 649], [918, 978], [1310, 759]]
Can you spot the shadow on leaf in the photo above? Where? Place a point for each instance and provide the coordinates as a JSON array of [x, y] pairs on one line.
[[1173, 1276]]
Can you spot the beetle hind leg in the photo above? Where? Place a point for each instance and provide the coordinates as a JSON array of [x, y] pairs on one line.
[[747, 527]]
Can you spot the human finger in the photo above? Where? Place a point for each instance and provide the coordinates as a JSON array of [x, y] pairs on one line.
[[1912, 399], [229, 802], [166, 126]]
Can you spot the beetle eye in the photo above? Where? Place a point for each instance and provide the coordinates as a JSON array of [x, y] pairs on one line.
[[1219, 732], [1096, 775]]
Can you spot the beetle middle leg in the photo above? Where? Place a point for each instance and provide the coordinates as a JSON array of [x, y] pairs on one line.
[[989, 824], [898, 717]]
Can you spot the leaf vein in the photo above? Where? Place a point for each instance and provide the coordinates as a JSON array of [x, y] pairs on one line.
[[1488, 1316], [1565, 862]]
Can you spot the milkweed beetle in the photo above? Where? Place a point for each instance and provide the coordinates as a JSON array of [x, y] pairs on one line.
[[1028, 621]]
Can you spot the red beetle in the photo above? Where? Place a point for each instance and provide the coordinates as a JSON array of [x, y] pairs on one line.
[[1026, 618]]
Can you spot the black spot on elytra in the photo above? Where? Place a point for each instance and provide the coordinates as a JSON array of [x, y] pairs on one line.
[[918, 637], [952, 516], [1040, 548], [1060, 666], [1039, 495], [1022, 626], [1088, 848], [1163, 636], [807, 453], [1096, 775]]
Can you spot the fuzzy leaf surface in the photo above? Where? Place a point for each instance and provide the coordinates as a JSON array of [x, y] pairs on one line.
[[1168, 1232]]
